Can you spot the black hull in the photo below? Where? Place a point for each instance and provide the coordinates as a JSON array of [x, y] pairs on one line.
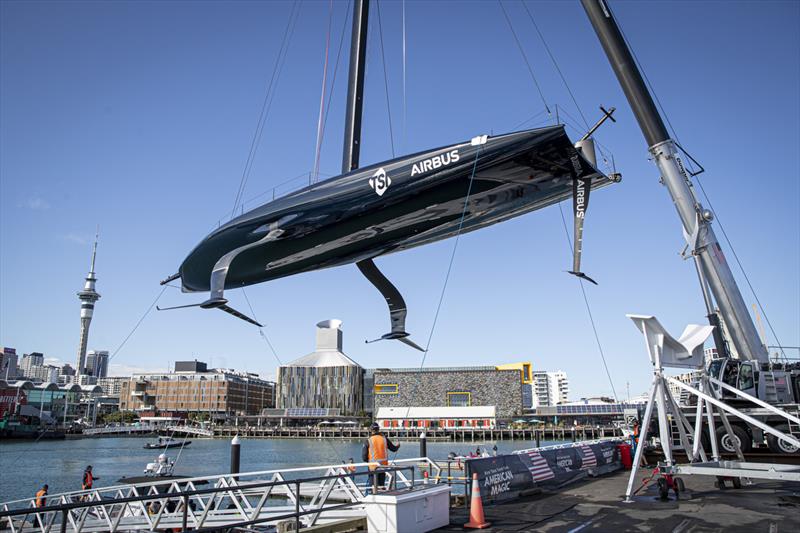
[[343, 219]]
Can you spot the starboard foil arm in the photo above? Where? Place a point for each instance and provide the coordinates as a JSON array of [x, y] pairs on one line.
[[395, 301], [581, 187]]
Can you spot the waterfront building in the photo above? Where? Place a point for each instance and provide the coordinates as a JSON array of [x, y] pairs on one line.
[[112, 386], [8, 364], [690, 378], [43, 373], [479, 386], [85, 379], [97, 363], [216, 392], [524, 371], [12, 396], [479, 417], [589, 411], [549, 388], [30, 360], [323, 379], [88, 296]]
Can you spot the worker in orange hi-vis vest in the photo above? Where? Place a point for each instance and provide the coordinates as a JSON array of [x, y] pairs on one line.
[[376, 451], [41, 497]]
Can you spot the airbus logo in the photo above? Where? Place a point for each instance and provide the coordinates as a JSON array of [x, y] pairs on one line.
[[580, 199], [437, 161], [380, 181]]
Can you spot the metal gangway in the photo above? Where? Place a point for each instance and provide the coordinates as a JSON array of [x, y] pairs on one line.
[[312, 496], [191, 430], [119, 430]]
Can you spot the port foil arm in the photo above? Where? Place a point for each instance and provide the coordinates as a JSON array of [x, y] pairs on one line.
[[397, 306]]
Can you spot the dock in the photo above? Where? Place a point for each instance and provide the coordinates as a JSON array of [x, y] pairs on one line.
[[596, 505], [439, 434], [574, 434]]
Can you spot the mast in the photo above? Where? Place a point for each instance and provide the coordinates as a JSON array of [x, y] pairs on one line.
[[712, 266], [355, 86]]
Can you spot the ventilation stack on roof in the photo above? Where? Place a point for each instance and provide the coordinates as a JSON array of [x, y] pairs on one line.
[[325, 378]]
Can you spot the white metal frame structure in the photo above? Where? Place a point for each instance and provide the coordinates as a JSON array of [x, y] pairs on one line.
[[687, 352], [205, 503]]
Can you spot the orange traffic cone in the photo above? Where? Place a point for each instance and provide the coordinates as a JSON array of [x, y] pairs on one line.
[[476, 518]]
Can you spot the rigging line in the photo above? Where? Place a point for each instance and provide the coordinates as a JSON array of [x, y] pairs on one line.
[[322, 93], [452, 256], [449, 269], [261, 329], [336, 69], [589, 309], [163, 289], [540, 113], [385, 79], [274, 353], [266, 104], [524, 56], [653, 92], [555, 63], [741, 267], [405, 103], [600, 146], [702, 189]]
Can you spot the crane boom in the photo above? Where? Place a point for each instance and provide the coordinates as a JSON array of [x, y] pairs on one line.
[[696, 221]]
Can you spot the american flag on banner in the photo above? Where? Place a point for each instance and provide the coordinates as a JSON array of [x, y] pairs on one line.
[[588, 459], [540, 470]]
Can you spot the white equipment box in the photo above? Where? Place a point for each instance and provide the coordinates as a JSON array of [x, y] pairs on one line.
[[423, 508]]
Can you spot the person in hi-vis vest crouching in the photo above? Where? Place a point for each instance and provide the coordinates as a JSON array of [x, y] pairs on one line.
[[376, 450]]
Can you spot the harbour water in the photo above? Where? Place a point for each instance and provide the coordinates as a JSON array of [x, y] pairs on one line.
[[25, 466]]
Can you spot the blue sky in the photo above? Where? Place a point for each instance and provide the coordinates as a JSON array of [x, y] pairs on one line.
[[139, 117]]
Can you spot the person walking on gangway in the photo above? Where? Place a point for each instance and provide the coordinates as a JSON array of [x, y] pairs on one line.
[[41, 497], [376, 452], [88, 480]]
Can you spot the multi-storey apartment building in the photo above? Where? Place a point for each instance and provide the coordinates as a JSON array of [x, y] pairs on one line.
[[550, 388], [194, 388]]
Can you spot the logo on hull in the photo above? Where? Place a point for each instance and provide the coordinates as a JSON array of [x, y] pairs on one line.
[[437, 161], [380, 181]]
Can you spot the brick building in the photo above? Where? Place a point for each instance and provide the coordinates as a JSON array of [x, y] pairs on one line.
[[192, 388]]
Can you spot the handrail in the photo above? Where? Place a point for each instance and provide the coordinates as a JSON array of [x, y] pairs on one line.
[[184, 494], [186, 505], [215, 477], [570, 445]]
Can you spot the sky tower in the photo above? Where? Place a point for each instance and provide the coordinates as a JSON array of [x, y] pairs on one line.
[[88, 296]]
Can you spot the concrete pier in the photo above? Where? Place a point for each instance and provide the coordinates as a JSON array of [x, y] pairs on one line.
[[596, 505]]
